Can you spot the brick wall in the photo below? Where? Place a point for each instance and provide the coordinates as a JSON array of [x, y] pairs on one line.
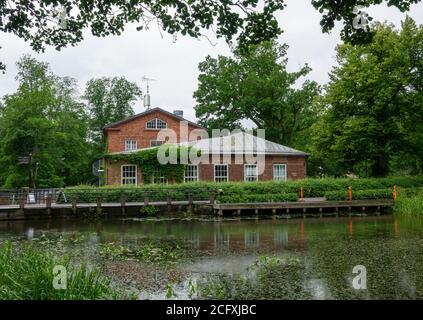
[[296, 169], [136, 130]]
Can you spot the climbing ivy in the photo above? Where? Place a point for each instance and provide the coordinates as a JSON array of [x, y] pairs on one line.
[[148, 162]]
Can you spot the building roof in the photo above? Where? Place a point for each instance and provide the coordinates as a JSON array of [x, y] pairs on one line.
[[237, 143], [157, 109], [241, 142]]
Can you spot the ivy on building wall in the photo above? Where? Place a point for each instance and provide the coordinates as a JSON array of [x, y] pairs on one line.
[[148, 161]]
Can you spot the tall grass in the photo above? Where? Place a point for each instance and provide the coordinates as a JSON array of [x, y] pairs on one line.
[[26, 273], [410, 205]]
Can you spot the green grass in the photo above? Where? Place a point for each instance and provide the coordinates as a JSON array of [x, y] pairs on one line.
[[410, 202], [26, 273]]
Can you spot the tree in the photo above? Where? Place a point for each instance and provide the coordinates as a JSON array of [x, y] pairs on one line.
[[255, 85], [373, 106], [109, 100], [43, 120], [61, 22]]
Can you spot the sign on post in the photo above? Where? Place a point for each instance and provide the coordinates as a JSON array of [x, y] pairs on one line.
[[23, 160]]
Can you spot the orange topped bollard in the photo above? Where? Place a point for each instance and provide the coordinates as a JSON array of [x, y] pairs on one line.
[[350, 194], [302, 194], [395, 192]]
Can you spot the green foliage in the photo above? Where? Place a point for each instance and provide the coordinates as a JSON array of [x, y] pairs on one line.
[[270, 278], [44, 119], [360, 194], [409, 202], [147, 160], [26, 273], [149, 210], [109, 100], [372, 122], [255, 85], [239, 191]]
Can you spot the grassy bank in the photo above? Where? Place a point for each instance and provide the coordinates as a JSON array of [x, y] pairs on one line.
[[26, 273], [333, 189], [410, 202]]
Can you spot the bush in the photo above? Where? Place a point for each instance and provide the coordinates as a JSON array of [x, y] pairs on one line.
[[149, 210], [360, 194], [264, 191], [242, 198]]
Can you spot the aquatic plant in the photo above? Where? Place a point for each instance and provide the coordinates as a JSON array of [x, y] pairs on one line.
[[149, 210], [27, 273]]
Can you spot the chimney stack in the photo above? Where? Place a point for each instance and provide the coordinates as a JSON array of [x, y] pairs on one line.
[[179, 113]]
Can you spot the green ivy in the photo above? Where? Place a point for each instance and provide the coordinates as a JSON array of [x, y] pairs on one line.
[[147, 161]]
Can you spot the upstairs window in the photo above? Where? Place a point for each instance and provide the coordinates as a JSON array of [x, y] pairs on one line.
[[130, 145], [156, 124]]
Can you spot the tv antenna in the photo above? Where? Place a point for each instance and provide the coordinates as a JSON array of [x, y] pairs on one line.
[[147, 96]]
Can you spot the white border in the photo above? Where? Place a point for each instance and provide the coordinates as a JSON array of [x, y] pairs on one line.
[[273, 172], [245, 176], [121, 174], [198, 172], [214, 170]]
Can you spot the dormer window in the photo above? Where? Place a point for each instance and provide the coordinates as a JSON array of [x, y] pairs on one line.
[[156, 124]]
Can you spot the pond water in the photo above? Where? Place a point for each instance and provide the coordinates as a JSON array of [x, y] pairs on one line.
[[325, 252]]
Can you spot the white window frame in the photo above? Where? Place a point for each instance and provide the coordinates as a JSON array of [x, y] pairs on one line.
[[154, 140], [162, 179], [220, 177], [155, 123], [245, 173], [279, 178], [191, 178], [127, 178], [130, 142]]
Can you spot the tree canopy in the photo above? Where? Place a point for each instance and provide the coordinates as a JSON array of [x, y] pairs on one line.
[[60, 23], [255, 85], [372, 121]]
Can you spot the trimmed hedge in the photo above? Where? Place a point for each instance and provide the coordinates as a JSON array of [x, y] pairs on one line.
[[360, 194], [269, 190], [243, 198]]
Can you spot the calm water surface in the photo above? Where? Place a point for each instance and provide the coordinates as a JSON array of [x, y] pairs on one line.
[[391, 248]]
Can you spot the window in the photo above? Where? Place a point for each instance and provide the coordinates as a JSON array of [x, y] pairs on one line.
[[158, 177], [221, 173], [156, 124], [130, 145], [191, 173], [279, 172], [129, 174], [250, 172], [155, 143]]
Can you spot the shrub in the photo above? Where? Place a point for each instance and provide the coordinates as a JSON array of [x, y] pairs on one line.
[[149, 210], [360, 194]]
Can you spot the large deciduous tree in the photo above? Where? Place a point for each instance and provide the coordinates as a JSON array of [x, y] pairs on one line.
[[109, 100], [44, 120], [255, 85], [372, 119], [61, 22]]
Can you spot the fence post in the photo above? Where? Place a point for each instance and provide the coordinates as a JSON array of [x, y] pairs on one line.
[[212, 198], [146, 201], [190, 202], [48, 204], [169, 202], [122, 205], [350, 194], [395, 192], [74, 201], [302, 194]]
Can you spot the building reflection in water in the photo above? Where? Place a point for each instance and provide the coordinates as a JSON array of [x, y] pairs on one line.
[[251, 239], [280, 238], [221, 240]]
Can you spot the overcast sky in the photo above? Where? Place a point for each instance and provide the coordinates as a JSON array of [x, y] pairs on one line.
[[174, 64]]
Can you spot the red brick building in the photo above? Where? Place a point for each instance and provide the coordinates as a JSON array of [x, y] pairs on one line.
[[222, 159]]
